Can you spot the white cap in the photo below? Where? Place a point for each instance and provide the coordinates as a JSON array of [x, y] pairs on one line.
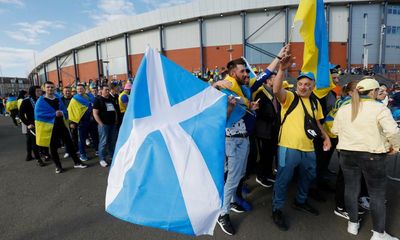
[[367, 84]]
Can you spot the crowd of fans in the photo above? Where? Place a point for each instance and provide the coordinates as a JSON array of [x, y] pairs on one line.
[[272, 131]]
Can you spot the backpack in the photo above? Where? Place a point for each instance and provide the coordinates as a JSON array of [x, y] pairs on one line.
[[310, 125]]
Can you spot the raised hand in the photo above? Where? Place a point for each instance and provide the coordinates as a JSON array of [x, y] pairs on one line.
[[285, 62]]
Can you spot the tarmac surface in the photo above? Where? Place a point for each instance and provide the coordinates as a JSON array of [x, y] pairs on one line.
[[36, 203]]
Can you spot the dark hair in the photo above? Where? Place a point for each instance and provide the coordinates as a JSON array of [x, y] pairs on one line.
[[21, 94], [67, 87], [32, 91], [233, 64], [334, 71], [104, 85], [80, 85], [382, 84], [48, 82], [272, 74]]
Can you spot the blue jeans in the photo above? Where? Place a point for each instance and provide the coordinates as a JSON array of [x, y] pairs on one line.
[[289, 159], [107, 134], [236, 150]]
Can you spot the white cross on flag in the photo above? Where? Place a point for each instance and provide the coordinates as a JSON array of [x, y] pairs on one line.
[[168, 166]]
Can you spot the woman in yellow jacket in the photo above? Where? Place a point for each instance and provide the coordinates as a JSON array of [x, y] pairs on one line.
[[367, 133]]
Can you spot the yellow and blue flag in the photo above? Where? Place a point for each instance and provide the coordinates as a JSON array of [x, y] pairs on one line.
[[78, 106], [45, 116], [315, 35], [11, 104]]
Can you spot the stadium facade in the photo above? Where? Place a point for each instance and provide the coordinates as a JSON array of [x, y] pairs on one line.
[[208, 33]]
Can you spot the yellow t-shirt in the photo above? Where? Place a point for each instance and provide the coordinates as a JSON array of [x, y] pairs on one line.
[[292, 132]]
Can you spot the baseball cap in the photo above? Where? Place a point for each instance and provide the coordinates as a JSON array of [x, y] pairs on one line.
[[308, 75], [333, 68], [367, 84]]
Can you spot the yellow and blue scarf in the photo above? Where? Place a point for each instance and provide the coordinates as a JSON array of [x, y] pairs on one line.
[[266, 93], [239, 111], [330, 117], [11, 104], [78, 106], [45, 116]]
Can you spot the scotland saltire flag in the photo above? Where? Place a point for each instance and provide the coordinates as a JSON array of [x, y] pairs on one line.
[[168, 166]]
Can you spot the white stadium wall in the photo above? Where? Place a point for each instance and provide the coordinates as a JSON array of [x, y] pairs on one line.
[[217, 26]]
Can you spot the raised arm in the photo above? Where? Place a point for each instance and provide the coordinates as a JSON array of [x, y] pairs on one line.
[[268, 71], [285, 63]]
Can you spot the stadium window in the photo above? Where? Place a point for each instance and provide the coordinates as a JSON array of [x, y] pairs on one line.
[[398, 30], [394, 10], [393, 30], [389, 10], [389, 29]]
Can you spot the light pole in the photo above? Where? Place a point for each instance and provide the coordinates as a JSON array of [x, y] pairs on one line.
[[383, 27], [107, 71], [365, 45], [107, 60]]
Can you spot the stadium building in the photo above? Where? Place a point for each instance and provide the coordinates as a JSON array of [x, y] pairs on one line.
[[206, 34]]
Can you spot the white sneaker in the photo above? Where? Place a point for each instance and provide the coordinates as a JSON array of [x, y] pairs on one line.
[[103, 163], [382, 236], [66, 155], [352, 228], [87, 142]]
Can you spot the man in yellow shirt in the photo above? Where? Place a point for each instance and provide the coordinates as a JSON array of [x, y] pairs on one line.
[[123, 99], [296, 149]]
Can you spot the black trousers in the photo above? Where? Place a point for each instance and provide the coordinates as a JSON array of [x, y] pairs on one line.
[[74, 138], [252, 158], [31, 146], [267, 149], [323, 159], [44, 151], [14, 114], [373, 167], [60, 131], [339, 194]]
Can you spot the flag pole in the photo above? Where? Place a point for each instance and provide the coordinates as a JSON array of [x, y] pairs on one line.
[[291, 32]]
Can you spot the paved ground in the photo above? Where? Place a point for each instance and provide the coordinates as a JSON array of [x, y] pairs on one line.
[[35, 203]]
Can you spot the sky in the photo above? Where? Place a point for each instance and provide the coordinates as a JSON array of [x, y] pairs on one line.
[[30, 26]]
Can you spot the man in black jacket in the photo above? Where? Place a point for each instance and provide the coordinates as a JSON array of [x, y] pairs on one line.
[[266, 132], [27, 116]]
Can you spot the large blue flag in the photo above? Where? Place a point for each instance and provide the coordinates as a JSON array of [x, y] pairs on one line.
[[168, 166]]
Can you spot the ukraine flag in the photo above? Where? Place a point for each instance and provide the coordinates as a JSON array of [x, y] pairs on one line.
[[78, 107], [315, 35], [45, 116], [11, 104]]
